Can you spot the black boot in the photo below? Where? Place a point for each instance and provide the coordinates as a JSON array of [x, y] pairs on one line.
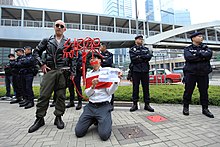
[[206, 112], [148, 107], [53, 104], [58, 122], [70, 104], [39, 122], [29, 105], [134, 107], [17, 100], [79, 105], [186, 109], [23, 104]]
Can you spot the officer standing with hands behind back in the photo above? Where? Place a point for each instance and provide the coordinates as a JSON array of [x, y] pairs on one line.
[[196, 70], [140, 57]]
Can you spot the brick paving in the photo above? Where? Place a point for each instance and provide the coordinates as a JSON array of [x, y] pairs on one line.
[[195, 130]]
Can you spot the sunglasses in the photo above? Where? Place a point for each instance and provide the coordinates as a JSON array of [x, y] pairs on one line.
[[59, 25]]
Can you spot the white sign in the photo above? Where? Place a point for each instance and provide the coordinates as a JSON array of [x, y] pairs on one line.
[[108, 74]]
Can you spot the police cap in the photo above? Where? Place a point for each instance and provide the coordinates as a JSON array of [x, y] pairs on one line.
[[139, 36], [28, 47], [195, 34], [9, 55], [19, 49]]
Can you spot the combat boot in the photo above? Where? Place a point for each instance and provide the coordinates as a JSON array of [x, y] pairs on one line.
[[29, 105], [206, 112], [59, 122], [39, 122], [185, 109], [79, 105], [23, 104], [53, 104], [70, 104], [17, 100], [148, 107], [134, 107]]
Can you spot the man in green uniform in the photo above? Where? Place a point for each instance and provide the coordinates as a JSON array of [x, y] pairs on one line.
[[56, 69]]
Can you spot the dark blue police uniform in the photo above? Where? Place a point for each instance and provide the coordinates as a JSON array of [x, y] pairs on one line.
[[27, 72], [140, 57], [196, 70], [16, 78]]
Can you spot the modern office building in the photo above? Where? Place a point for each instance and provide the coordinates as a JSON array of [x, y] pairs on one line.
[[167, 11], [118, 8], [182, 17], [149, 9], [121, 8]]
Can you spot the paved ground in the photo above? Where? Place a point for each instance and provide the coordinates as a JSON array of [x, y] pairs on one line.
[[129, 129]]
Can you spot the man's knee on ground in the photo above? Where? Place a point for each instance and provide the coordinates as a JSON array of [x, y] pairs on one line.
[[79, 132], [104, 135]]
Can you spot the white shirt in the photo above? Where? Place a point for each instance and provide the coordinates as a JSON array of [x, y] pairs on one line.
[[100, 95]]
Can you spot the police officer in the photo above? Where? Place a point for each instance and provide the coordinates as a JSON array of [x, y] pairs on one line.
[[196, 70], [28, 71], [56, 69], [8, 77], [77, 82], [16, 79], [107, 61], [140, 57]]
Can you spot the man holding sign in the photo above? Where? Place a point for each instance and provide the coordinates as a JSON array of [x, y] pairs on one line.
[[99, 107]]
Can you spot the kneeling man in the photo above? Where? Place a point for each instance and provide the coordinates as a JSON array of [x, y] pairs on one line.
[[99, 108]]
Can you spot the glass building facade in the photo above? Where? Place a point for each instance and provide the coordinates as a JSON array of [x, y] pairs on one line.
[[121, 8], [149, 9]]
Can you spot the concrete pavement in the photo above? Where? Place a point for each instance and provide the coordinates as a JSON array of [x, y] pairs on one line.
[[129, 129]]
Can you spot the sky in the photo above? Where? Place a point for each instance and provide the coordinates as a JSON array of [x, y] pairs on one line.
[[200, 11]]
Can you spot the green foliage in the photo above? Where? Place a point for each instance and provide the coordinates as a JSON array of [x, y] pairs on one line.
[[158, 93]]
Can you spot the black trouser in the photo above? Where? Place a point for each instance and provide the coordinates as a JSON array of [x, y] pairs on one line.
[[142, 77], [27, 82], [77, 81], [16, 79], [8, 83], [202, 84]]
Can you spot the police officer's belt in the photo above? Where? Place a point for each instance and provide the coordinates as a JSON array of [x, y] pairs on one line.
[[99, 104]]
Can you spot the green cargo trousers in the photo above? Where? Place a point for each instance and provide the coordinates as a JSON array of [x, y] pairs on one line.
[[53, 80]]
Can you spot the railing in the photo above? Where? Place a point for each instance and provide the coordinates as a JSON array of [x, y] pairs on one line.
[[10, 22], [152, 33], [73, 26], [133, 31], [48, 24], [89, 27], [31, 23], [122, 30], [107, 28]]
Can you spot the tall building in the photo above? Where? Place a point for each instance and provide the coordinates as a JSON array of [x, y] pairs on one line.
[[14, 2], [182, 17], [167, 11], [121, 8], [149, 9]]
